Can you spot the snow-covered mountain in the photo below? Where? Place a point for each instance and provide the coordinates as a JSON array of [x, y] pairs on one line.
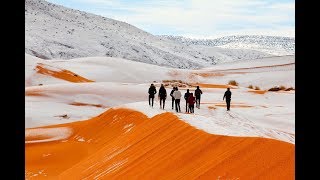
[[275, 45], [55, 32]]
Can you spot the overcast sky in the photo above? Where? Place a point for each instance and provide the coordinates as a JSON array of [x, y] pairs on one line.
[[197, 18]]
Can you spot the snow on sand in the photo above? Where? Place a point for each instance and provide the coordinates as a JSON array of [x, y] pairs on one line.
[[268, 115], [107, 129]]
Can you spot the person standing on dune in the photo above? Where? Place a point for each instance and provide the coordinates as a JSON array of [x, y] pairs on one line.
[[171, 94], [177, 95], [227, 95], [198, 93], [191, 100], [162, 96], [186, 95], [152, 91]]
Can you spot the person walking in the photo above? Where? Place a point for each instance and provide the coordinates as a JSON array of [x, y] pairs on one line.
[[177, 95], [171, 94], [162, 96], [198, 93], [227, 95], [191, 101], [186, 95], [152, 91]]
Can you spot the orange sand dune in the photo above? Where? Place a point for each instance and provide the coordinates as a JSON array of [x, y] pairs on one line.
[[125, 144], [61, 74], [214, 86]]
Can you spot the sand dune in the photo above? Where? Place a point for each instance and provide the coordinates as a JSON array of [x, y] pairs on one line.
[[258, 67], [241, 70], [60, 73], [126, 144], [131, 140]]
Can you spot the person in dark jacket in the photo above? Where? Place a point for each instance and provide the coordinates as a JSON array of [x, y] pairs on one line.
[[171, 94], [227, 95], [191, 101], [186, 95], [152, 91], [198, 93], [162, 96]]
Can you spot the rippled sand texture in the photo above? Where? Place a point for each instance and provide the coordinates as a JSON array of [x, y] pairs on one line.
[[126, 144]]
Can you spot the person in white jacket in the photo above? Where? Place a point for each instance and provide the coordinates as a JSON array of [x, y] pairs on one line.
[[177, 95]]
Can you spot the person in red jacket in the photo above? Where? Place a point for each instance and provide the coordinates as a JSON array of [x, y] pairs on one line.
[[191, 101]]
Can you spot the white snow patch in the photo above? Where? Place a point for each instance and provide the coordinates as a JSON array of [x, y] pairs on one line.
[[81, 139], [128, 127], [237, 122], [45, 155]]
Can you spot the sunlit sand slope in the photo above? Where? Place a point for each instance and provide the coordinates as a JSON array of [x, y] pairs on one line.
[[60, 73], [126, 144]]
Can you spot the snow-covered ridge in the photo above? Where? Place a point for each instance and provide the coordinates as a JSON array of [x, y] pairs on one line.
[[275, 45], [55, 32]]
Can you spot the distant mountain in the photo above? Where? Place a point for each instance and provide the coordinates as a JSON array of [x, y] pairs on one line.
[[55, 32], [275, 45]]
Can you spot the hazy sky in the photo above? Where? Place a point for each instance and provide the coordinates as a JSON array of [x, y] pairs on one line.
[[197, 18]]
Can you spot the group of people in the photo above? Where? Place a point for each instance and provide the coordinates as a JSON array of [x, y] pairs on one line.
[[176, 96]]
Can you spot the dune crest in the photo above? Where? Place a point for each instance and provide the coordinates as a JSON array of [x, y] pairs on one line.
[[122, 143]]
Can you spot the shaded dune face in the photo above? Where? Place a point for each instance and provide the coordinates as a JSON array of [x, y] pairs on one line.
[[60, 73], [126, 144]]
